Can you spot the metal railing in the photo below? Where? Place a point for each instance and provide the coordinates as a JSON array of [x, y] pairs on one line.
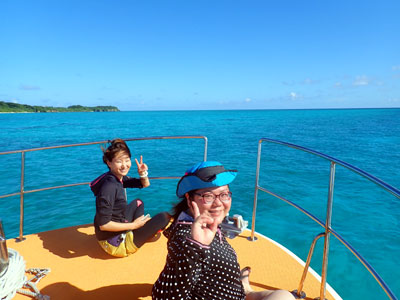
[[327, 224], [22, 191]]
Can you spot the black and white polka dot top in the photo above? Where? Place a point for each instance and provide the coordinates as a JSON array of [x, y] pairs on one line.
[[196, 271]]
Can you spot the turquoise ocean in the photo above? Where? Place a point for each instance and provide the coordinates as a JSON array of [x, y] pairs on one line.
[[365, 216]]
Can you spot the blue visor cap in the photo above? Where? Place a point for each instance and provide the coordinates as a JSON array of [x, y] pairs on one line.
[[204, 175]]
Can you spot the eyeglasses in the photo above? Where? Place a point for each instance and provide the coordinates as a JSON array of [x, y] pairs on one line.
[[209, 198]]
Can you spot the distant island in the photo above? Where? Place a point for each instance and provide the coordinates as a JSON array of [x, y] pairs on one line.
[[9, 107]]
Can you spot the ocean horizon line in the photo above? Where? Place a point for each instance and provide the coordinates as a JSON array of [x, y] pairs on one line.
[[222, 109], [263, 109]]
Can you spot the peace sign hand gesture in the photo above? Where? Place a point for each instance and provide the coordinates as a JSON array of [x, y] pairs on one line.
[[204, 226], [141, 167]]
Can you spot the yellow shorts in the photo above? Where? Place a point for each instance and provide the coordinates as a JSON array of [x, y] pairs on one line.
[[125, 248]]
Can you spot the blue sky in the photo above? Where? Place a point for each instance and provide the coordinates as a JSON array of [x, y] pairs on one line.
[[167, 54]]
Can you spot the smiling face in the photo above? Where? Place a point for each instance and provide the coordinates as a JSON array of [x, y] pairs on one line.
[[217, 209], [120, 164]]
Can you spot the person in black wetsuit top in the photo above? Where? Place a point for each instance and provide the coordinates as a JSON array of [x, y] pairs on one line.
[[200, 263], [122, 228]]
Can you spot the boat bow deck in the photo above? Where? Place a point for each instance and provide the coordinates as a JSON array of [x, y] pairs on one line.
[[81, 270]]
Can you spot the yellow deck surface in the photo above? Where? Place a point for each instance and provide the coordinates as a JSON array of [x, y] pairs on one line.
[[81, 270]]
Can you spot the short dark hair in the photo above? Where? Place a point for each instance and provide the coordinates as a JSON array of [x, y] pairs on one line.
[[116, 146]]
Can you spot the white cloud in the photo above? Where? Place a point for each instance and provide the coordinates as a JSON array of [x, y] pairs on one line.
[[12, 100], [338, 84], [247, 100], [361, 81], [396, 68], [27, 87], [293, 95], [309, 81]]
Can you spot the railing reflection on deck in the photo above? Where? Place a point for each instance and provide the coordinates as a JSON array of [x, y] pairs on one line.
[[327, 225], [22, 191]]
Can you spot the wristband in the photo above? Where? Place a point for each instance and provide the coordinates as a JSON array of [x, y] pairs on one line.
[[143, 174]]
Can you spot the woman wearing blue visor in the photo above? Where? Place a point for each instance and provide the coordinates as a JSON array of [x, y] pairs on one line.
[[200, 262]]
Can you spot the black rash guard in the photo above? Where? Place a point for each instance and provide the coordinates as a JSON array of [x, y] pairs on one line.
[[111, 202]]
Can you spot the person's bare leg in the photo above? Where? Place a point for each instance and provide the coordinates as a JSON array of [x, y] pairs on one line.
[[261, 295], [244, 277], [270, 295]]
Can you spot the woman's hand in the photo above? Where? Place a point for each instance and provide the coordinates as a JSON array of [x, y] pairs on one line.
[[142, 170], [141, 167], [139, 222], [204, 226]]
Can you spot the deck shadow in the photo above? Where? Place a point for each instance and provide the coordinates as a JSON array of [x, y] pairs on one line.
[[71, 242], [66, 291]]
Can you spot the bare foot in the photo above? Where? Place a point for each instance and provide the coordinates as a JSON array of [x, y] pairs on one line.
[[244, 277]]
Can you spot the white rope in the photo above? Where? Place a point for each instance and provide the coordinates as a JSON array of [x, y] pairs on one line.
[[14, 278]]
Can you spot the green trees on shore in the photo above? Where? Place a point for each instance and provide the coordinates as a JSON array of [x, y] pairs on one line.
[[15, 107]]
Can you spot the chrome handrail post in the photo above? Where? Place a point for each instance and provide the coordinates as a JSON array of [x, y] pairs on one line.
[[299, 292], [253, 223], [21, 214], [205, 147], [327, 231]]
